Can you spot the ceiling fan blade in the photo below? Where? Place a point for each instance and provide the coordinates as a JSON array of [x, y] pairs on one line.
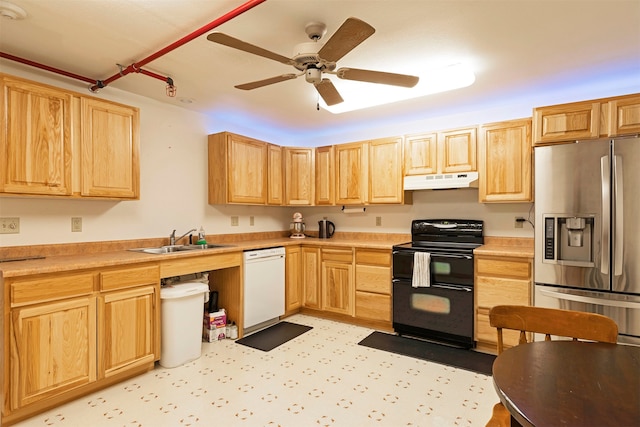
[[328, 92], [350, 34], [247, 47], [377, 77], [266, 82]]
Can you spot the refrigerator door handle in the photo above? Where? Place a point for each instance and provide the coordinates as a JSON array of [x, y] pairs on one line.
[[606, 214], [618, 212], [611, 302]]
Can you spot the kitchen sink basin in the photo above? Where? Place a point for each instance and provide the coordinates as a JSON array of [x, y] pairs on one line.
[[178, 248]]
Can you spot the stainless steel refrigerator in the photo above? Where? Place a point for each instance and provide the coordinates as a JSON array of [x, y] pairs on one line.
[[587, 235]]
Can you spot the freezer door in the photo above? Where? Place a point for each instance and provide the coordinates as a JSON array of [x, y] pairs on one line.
[[569, 181], [625, 265]]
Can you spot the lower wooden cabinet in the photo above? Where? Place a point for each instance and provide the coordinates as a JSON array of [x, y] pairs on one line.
[[499, 280], [311, 277], [337, 280], [373, 285], [293, 280], [70, 333], [53, 349]]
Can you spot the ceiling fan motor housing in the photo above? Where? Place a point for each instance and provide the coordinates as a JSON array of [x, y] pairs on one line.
[[313, 75]]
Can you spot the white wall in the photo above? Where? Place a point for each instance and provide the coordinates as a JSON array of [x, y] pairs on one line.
[[173, 170]]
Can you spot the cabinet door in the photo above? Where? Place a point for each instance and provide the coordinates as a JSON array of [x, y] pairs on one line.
[[36, 145], [457, 150], [624, 115], [293, 280], [127, 329], [420, 154], [567, 122], [337, 286], [247, 170], [274, 180], [311, 277], [385, 171], [352, 173], [299, 176], [325, 176], [53, 349], [110, 150], [504, 153]]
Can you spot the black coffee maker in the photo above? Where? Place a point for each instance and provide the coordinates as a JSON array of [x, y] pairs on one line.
[[326, 229]]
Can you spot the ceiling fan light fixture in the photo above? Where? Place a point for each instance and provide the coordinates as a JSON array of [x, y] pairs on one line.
[[431, 81], [313, 75]]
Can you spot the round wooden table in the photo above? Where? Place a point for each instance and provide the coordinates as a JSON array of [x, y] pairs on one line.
[[570, 383]]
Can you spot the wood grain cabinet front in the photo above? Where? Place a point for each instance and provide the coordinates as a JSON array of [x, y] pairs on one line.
[[498, 281], [64, 144], [72, 333], [373, 285], [293, 280], [337, 281], [505, 160]]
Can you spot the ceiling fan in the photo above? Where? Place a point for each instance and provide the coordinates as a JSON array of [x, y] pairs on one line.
[[312, 59]]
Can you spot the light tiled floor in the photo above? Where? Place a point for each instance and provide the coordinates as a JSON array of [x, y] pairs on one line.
[[321, 378]]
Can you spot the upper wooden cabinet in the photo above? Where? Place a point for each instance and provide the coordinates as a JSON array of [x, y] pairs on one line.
[[457, 150], [448, 151], [624, 115], [60, 143], [606, 117], [237, 169], [110, 141], [385, 171], [325, 176], [299, 180], [504, 153], [36, 144], [275, 166], [420, 154], [352, 172]]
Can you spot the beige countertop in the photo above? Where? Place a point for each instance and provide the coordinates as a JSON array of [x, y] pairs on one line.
[[506, 246], [115, 254]]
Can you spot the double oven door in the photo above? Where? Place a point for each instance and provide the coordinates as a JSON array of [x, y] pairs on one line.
[[442, 311]]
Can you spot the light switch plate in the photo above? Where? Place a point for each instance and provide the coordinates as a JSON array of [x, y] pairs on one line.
[[234, 221], [76, 224], [9, 225]]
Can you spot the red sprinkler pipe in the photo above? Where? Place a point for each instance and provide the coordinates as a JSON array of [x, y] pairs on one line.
[[45, 67], [135, 67]]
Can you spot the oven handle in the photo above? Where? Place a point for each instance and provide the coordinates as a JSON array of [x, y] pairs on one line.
[[437, 286], [437, 254]]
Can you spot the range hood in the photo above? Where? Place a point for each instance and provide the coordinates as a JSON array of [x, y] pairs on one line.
[[441, 181]]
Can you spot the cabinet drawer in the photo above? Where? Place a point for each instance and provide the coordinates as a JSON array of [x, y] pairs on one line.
[[372, 278], [520, 269], [381, 258], [492, 291], [340, 255], [373, 306], [50, 288], [126, 278]]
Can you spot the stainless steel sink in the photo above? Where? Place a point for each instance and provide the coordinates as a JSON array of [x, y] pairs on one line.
[[178, 248]]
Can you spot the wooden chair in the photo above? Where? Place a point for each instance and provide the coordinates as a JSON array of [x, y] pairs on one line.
[[564, 323]]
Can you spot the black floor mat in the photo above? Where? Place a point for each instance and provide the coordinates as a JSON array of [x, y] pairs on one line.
[[273, 336], [457, 357]]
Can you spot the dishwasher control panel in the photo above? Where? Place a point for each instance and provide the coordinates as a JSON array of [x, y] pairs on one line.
[[263, 253]]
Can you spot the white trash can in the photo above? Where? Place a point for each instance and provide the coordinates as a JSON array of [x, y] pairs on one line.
[[182, 316]]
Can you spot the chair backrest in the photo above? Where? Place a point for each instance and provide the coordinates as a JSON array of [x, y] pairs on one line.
[[550, 321]]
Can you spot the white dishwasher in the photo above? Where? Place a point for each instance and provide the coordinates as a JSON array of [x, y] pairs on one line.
[[263, 287]]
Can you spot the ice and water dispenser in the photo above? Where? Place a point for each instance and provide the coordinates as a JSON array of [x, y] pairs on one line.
[[568, 239]]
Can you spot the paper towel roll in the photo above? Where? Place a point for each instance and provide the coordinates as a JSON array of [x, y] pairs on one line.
[[353, 210]]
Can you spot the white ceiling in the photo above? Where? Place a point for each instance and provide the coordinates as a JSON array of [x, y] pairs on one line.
[[515, 47]]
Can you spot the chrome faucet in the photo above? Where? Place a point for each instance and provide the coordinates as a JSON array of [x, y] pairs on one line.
[[172, 236]]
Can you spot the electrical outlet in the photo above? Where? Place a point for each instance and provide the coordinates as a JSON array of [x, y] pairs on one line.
[[76, 224], [251, 221], [234, 221], [519, 222], [378, 221], [10, 225]]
